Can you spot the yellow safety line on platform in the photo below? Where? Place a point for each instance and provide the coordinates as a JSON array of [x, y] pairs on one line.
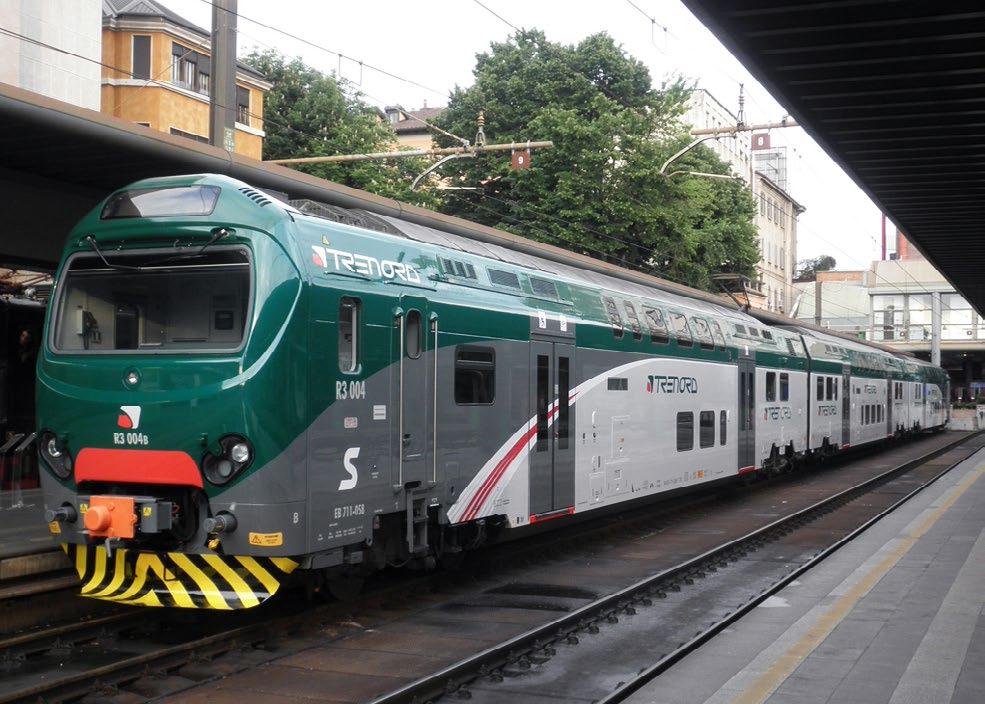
[[760, 690]]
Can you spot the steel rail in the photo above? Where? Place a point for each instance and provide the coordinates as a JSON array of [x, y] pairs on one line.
[[452, 677]]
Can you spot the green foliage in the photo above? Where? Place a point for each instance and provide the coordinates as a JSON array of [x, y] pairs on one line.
[[309, 113], [599, 191], [807, 268]]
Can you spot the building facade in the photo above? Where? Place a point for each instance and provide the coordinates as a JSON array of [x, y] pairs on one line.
[[704, 111], [162, 73], [894, 303], [776, 222], [412, 133], [30, 63]]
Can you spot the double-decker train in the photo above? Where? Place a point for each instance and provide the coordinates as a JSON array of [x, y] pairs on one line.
[[232, 388]]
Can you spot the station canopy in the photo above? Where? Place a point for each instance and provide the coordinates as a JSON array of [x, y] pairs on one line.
[[895, 93]]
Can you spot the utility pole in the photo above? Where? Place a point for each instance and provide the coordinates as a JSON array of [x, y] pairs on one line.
[[935, 328], [222, 90]]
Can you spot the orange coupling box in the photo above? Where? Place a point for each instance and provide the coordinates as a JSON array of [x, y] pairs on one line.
[[111, 517]]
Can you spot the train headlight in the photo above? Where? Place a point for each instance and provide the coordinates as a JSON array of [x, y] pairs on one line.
[[240, 453], [52, 449], [56, 455], [235, 454]]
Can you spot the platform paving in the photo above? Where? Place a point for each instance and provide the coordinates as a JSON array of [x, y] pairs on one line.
[[895, 617], [22, 527]]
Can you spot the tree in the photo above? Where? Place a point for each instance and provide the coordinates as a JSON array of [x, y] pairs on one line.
[[309, 113], [807, 268], [599, 190]]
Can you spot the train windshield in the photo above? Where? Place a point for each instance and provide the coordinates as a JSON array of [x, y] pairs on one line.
[[199, 304]]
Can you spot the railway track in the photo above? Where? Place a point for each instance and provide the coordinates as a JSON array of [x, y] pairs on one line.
[[607, 649], [158, 653]]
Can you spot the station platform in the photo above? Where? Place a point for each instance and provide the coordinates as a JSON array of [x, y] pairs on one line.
[[26, 546], [896, 616]]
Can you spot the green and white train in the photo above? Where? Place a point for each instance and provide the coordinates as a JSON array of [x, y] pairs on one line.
[[233, 388]]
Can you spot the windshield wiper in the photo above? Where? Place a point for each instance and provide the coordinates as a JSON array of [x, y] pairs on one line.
[[95, 247], [217, 234]]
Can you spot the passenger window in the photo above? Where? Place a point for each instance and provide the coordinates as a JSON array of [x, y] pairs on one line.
[[740, 329], [819, 396], [831, 388], [634, 321], [707, 428], [658, 326], [614, 318], [703, 333], [681, 330], [349, 334], [412, 334], [543, 401], [719, 337], [563, 401], [722, 427], [784, 387], [865, 415], [685, 431], [834, 383], [475, 376], [770, 386]]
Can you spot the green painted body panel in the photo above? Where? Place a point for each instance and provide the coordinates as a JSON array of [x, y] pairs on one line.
[[290, 353]]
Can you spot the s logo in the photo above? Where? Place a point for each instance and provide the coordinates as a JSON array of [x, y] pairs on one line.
[[351, 454], [129, 417]]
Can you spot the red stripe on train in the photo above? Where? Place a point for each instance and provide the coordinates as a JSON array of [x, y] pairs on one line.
[[479, 498], [137, 467]]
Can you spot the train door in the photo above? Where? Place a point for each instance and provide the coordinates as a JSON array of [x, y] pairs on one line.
[[415, 390], [889, 406], [747, 412], [552, 462], [846, 406]]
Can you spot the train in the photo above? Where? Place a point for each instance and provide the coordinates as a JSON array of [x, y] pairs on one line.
[[235, 390]]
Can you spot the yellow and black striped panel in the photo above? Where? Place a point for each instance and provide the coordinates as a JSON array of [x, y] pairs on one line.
[[178, 579]]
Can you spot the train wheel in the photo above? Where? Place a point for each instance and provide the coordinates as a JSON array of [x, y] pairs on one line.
[[345, 587]]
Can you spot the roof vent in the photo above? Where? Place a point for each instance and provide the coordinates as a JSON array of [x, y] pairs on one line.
[[347, 216], [462, 270], [504, 278], [255, 196], [543, 287]]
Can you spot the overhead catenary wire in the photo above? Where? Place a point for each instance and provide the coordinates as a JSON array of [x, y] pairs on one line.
[[321, 47], [155, 80], [361, 92], [111, 67], [652, 270]]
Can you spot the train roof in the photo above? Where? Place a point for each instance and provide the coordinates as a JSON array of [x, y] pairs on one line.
[[514, 250]]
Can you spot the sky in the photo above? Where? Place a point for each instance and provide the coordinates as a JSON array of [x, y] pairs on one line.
[[433, 43]]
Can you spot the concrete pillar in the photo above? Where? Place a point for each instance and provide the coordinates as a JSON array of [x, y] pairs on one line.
[[817, 300], [935, 328]]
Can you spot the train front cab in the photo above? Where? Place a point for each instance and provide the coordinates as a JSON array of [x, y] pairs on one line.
[[168, 476]]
